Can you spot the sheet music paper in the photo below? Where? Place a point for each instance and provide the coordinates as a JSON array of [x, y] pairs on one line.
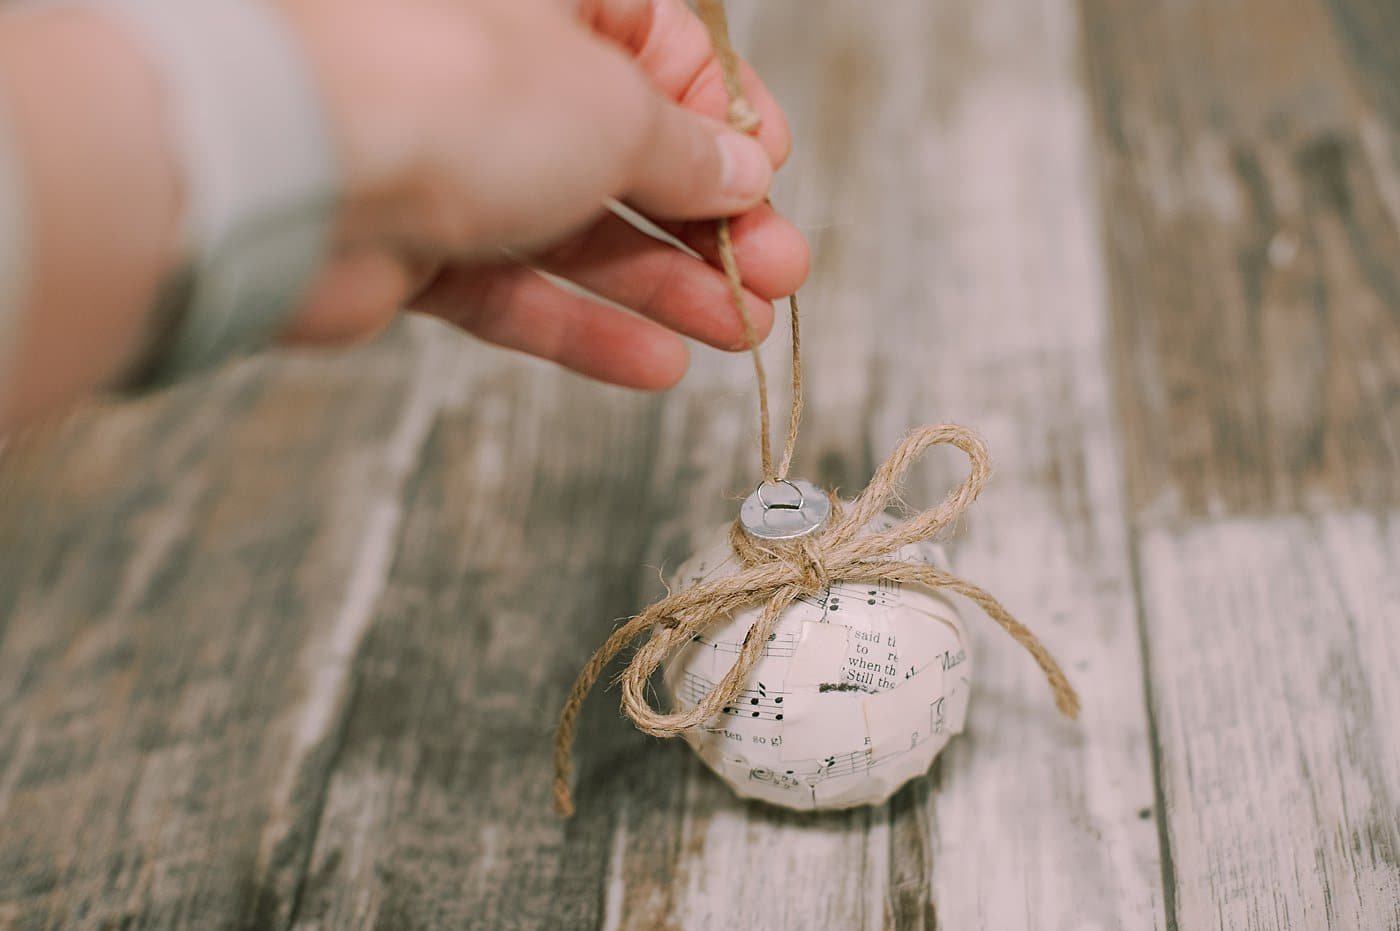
[[859, 687]]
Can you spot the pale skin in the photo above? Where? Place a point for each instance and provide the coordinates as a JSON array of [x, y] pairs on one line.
[[475, 136]]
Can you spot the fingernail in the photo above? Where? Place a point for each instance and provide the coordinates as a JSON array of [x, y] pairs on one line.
[[745, 171]]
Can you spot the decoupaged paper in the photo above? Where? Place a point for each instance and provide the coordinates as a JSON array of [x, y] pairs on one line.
[[859, 687]]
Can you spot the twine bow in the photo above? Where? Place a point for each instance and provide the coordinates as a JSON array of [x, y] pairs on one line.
[[776, 573]]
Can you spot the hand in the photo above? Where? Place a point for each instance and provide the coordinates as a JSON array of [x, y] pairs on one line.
[[467, 128]]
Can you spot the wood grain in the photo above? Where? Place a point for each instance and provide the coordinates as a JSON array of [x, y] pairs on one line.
[[1251, 223], [285, 649], [172, 575], [1273, 655], [437, 812], [1032, 823]]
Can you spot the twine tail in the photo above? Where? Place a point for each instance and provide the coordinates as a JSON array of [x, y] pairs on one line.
[[664, 642], [1066, 698], [568, 715]]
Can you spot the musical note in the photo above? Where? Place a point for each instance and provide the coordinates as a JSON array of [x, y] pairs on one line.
[[827, 600], [842, 765], [779, 644], [883, 593], [763, 743], [831, 599], [762, 703], [758, 703]]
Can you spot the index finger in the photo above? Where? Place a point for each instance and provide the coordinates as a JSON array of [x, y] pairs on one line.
[[673, 48]]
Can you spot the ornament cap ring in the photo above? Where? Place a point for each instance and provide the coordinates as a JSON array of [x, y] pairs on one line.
[[784, 510], [781, 505]]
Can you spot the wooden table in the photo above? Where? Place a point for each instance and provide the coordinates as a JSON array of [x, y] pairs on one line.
[[285, 648]]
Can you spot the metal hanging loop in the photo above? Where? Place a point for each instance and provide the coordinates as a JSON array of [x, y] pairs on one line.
[[767, 518]]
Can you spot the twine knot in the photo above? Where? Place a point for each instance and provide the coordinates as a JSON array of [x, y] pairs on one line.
[[776, 574], [804, 557]]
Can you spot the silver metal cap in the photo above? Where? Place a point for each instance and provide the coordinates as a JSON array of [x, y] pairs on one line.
[[784, 510]]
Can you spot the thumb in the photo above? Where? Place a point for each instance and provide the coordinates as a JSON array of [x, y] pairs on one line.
[[692, 167]]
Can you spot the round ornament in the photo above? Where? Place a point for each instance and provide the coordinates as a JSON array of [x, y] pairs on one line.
[[859, 686]]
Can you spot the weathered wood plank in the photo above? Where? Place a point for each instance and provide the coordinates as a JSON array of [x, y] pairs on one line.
[[1252, 222], [175, 610], [1273, 653], [523, 542], [183, 738], [1250, 204], [1033, 822], [914, 318]]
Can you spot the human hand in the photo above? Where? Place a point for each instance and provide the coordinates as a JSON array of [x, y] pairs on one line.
[[471, 128]]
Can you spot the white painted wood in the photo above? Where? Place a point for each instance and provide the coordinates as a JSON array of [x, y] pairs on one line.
[[327, 656], [1036, 823], [164, 564], [1273, 655]]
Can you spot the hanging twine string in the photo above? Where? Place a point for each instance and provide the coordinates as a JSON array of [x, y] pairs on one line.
[[744, 118], [777, 573]]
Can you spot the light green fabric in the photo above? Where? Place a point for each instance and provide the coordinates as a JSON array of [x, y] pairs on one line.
[[260, 172], [14, 249]]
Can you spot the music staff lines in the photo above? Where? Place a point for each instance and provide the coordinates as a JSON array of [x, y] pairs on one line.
[[845, 595], [778, 645], [762, 702]]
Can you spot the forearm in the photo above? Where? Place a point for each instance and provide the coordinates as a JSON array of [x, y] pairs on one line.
[[102, 203], [300, 168]]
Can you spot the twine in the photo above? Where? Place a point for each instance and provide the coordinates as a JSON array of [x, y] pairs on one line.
[[776, 573]]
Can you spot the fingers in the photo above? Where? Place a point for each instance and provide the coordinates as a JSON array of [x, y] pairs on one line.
[[772, 254], [358, 294], [562, 118], [707, 95], [513, 307], [616, 261], [354, 298], [677, 176], [673, 47], [688, 166]]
